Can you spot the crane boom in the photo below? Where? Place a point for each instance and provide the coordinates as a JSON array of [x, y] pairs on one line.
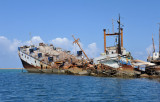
[[153, 44], [77, 42]]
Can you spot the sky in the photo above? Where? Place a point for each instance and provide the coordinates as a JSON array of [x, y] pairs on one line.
[[55, 21]]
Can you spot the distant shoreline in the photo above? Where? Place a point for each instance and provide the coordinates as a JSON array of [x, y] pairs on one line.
[[11, 68]]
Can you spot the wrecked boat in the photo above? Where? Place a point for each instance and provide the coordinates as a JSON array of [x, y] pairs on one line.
[[44, 58], [49, 59], [116, 57], [116, 61], [155, 59]]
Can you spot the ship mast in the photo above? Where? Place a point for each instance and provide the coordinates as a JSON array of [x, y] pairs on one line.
[[153, 44], [77, 42], [119, 44], [30, 38], [120, 37], [159, 39], [112, 26]]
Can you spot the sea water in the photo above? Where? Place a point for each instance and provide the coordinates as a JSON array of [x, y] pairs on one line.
[[18, 86]]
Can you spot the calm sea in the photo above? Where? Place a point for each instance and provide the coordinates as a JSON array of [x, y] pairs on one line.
[[16, 86]]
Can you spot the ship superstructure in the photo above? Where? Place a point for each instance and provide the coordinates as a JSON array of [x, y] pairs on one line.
[[115, 56], [155, 59]]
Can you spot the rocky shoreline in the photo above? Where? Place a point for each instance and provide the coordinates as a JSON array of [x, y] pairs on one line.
[[99, 73], [104, 71]]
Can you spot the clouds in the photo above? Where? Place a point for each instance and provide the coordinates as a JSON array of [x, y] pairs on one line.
[[8, 53], [4, 43], [7, 45], [92, 50], [142, 55], [35, 40], [3, 38], [149, 49], [63, 43], [14, 45]]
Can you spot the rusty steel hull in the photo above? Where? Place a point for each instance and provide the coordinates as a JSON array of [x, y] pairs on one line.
[[31, 68], [153, 70], [126, 67]]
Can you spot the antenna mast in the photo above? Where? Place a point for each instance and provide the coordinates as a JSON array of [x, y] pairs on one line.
[[120, 37], [30, 37], [119, 45], [153, 44], [112, 26]]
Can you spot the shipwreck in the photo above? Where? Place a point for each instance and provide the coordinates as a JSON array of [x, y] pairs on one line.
[[115, 61]]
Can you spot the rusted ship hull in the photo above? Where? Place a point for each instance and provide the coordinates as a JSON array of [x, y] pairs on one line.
[[31, 68], [126, 67], [34, 69], [99, 70], [153, 70]]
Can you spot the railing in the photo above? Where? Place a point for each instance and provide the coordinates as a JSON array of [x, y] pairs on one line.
[[34, 58]]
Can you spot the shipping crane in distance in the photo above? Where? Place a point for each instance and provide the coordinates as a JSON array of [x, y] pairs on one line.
[[153, 44], [30, 38], [112, 26], [77, 42]]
